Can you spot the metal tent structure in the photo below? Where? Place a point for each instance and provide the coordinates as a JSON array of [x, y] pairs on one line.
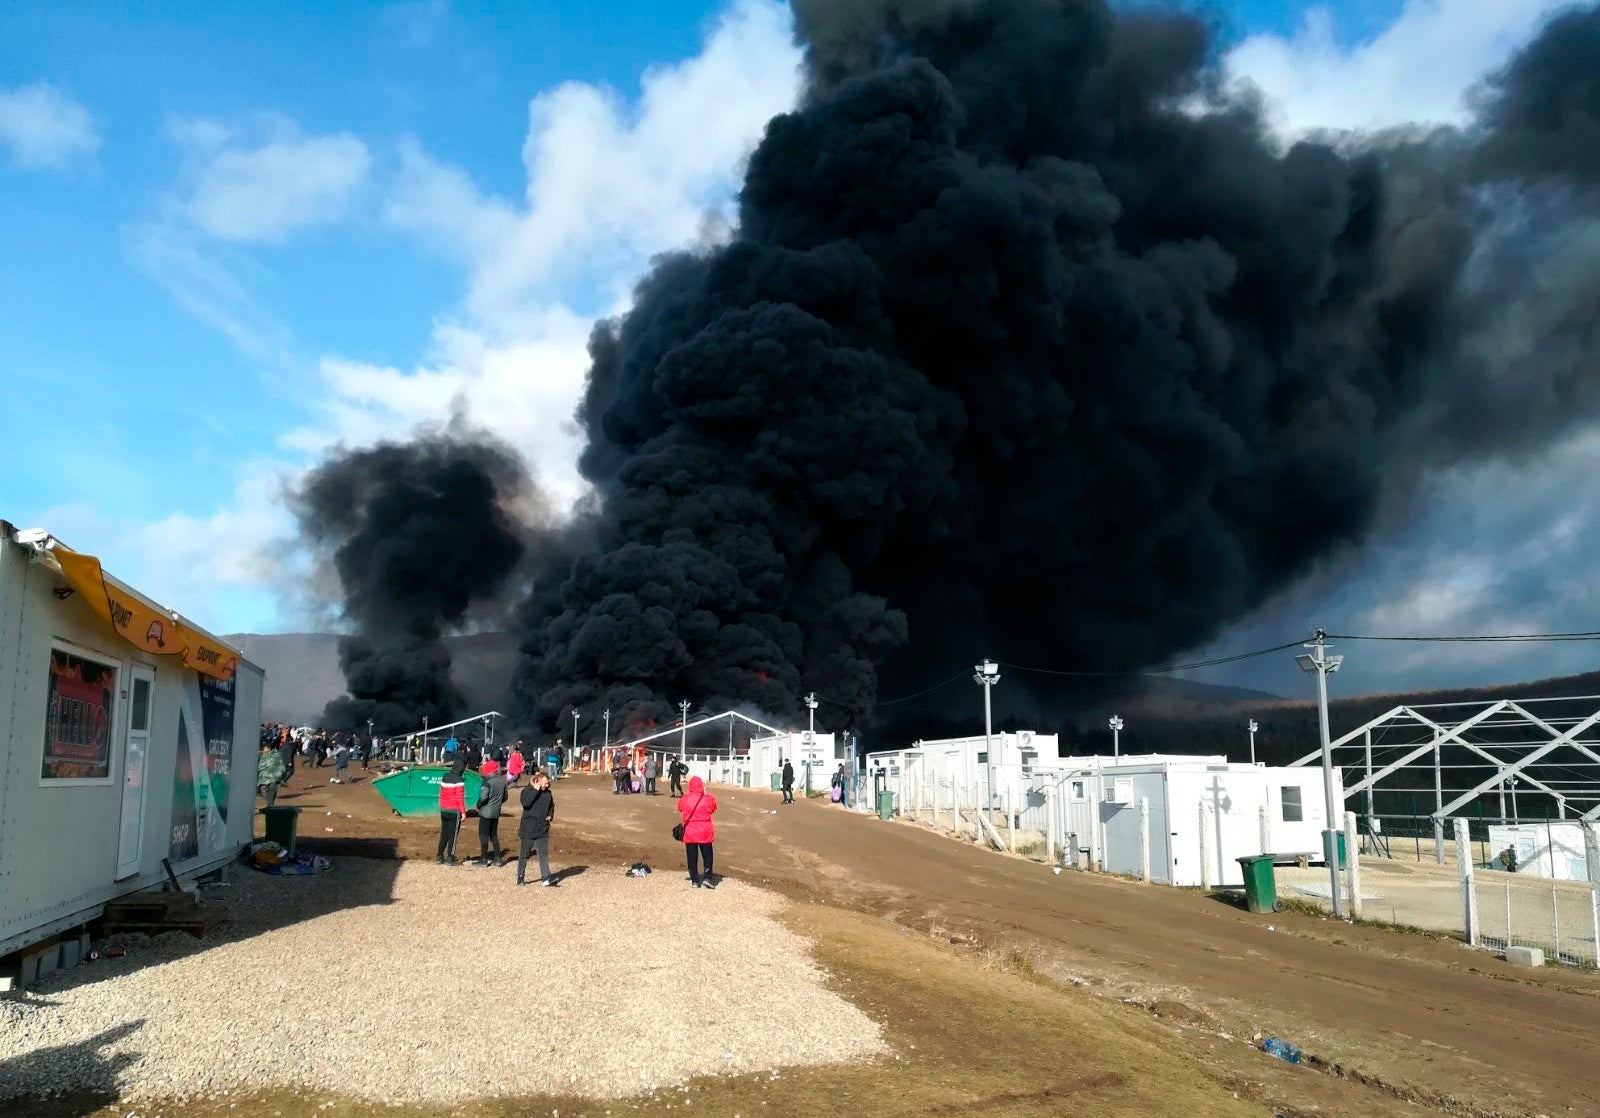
[[1434, 761]]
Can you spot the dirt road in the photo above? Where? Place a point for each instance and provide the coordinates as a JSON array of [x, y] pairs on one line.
[[1400, 1017]]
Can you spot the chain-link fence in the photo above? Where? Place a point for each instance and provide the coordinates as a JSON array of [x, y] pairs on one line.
[[1561, 918]]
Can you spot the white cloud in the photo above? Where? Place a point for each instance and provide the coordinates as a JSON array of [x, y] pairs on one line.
[[203, 285], [42, 128], [265, 185], [610, 183], [1418, 69]]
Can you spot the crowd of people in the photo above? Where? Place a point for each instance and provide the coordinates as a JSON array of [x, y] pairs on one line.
[[502, 774]]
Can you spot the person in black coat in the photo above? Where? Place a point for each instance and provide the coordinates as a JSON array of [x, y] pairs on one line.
[[788, 783], [533, 832]]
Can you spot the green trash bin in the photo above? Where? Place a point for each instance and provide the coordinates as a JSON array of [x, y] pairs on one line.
[[1260, 887], [777, 782], [747, 779], [1339, 844], [886, 806], [282, 825]]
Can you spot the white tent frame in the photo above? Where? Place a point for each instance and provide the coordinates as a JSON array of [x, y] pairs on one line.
[[1451, 723]]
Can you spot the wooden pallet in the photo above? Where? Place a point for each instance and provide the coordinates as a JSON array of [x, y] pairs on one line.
[[154, 913]]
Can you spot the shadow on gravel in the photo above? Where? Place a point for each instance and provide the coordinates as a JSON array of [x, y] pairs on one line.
[[362, 874], [571, 871], [81, 1063]]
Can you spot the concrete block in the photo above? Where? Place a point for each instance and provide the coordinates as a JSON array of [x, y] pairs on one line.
[[1525, 956]]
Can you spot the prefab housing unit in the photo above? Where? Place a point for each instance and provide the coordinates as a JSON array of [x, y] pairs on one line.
[[822, 753], [1554, 848], [934, 770], [1244, 809], [130, 736]]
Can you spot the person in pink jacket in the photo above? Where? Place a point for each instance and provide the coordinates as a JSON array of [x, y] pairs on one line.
[[697, 806]]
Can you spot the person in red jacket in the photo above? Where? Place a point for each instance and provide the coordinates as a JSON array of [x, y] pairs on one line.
[[452, 806], [697, 806]]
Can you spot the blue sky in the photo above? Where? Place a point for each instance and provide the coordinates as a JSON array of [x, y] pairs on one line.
[[228, 242]]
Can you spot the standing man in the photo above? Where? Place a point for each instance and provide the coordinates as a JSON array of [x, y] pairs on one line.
[[650, 774], [452, 806], [788, 782], [839, 783], [675, 772], [533, 831]]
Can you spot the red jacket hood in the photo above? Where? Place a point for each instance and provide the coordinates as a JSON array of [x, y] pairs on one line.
[[696, 785]]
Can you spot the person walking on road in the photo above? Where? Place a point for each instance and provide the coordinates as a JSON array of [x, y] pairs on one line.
[[697, 807], [650, 775], [839, 786], [788, 783], [533, 831], [676, 771], [341, 762], [490, 798], [452, 806], [515, 764], [270, 773]]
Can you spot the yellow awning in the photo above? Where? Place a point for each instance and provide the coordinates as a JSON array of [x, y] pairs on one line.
[[137, 623]]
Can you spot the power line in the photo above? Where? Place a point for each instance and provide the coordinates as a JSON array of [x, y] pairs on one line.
[[1486, 638], [1163, 671]]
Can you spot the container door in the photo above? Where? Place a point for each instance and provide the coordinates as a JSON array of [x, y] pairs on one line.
[[136, 754]]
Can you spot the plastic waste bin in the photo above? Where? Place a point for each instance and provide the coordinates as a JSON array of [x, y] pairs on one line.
[[886, 806], [747, 779], [1260, 887], [283, 825], [1339, 843], [777, 782]]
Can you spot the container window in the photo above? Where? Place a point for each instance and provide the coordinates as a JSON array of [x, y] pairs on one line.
[[1077, 789], [1292, 811], [80, 703], [139, 708]]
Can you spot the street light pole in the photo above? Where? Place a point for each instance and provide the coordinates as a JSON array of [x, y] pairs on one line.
[[1116, 723], [574, 750], [683, 740], [606, 748], [986, 675], [1253, 729], [1318, 660]]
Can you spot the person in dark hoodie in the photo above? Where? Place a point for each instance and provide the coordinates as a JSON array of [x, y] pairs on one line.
[[533, 832], [452, 806], [490, 798], [788, 783]]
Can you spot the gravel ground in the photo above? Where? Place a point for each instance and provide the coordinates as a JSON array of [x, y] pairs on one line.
[[529, 987]]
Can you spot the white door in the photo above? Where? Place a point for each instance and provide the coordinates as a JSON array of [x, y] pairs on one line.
[[131, 843]]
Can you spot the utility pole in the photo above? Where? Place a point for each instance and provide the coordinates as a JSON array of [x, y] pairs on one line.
[[573, 752], [986, 675], [1253, 728], [1116, 723], [1318, 661], [683, 741], [606, 748], [424, 756]]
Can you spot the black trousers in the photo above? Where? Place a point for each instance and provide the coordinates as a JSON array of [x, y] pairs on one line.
[[677, 785], [489, 837], [528, 846], [695, 852], [650, 785], [449, 829], [788, 793]]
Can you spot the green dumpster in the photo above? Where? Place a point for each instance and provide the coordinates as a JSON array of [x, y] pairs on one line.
[[283, 824], [747, 778], [886, 806], [1260, 887], [777, 782], [415, 791]]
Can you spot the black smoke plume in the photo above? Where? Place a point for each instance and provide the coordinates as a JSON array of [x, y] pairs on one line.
[[1032, 341], [419, 534]]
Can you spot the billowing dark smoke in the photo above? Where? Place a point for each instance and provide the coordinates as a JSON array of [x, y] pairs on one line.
[[418, 534], [1033, 342]]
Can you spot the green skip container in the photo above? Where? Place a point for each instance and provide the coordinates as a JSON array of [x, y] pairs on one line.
[[1260, 886], [886, 806], [415, 791]]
